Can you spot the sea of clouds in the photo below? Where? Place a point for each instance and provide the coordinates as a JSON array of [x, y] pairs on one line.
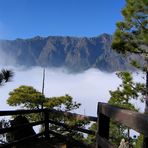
[[87, 88]]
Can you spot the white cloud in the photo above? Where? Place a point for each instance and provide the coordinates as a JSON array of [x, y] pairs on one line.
[[88, 88]]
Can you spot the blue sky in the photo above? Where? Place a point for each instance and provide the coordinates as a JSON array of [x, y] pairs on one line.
[[28, 18]]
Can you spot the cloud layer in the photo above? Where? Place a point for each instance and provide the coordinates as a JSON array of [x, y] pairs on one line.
[[88, 88]]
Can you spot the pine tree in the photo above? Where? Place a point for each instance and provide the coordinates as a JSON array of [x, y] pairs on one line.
[[5, 76], [131, 35], [28, 97], [123, 97]]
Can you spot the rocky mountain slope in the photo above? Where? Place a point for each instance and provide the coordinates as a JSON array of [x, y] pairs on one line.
[[76, 54]]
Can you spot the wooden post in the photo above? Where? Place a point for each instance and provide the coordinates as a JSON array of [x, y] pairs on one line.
[[102, 126], [145, 140], [46, 118]]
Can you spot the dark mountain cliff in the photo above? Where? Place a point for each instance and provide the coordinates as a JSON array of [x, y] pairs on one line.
[[76, 54]]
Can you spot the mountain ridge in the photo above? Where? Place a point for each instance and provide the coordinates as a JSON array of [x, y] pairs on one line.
[[75, 53]]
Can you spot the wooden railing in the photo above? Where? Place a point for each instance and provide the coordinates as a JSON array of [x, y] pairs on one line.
[[45, 121], [131, 119]]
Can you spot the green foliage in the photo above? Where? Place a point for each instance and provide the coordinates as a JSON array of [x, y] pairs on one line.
[[62, 103], [26, 97], [71, 122], [66, 103], [4, 124], [139, 141], [122, 97], [117, 132], [91, 139], [132, 33], [127, 91], [29, 98], [5, 76], [131, 36]]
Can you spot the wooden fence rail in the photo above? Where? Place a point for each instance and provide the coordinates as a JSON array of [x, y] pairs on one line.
[[131, 119], [45, 121]]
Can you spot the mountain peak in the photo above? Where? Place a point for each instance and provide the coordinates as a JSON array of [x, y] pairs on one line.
[[75, 53]]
